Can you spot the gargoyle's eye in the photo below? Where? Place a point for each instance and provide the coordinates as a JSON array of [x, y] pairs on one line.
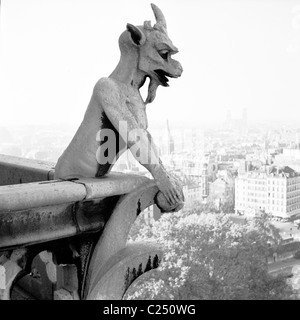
[[164, 54]]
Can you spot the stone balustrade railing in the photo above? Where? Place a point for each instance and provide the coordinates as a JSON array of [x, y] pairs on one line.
[[68, 239]]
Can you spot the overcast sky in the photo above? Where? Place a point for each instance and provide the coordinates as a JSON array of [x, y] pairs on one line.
[[235, 55]]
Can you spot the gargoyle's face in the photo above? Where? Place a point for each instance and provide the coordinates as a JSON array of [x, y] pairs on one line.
[[155, 50], [155, 58]]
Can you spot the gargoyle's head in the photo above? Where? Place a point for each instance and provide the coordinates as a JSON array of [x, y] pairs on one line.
[[155, 50]]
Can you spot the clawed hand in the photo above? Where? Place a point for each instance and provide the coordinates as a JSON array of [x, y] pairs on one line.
[[172, 190]]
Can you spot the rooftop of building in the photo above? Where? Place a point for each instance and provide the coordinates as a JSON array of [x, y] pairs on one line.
[[272, 171]]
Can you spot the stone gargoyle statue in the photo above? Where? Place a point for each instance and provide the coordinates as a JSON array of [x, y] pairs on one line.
[[116, 119]]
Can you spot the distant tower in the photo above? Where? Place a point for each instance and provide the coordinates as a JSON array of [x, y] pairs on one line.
[[204, 182]]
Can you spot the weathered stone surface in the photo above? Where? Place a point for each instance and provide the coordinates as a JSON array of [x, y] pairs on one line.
[[2, 277], [51, 268], [9, 269], [63, 294], [15, 170], [112, 184], [47, 193], [67, 277], [40, 194], [44, 222], [36, 225]]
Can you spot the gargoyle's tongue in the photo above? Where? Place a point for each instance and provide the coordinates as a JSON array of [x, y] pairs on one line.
[[151, 91]]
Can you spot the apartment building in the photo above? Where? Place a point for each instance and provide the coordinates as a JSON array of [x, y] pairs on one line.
[[275, 190]]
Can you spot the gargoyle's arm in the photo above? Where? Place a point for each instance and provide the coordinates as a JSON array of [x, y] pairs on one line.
[[110, 98]]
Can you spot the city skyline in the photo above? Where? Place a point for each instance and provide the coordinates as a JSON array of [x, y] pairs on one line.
[[235, 55]]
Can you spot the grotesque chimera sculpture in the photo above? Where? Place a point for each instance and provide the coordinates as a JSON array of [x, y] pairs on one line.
[[116, 119]]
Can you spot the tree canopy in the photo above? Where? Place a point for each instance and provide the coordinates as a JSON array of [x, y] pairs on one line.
[[209, 256]]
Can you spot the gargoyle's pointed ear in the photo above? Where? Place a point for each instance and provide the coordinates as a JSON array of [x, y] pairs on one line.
[[137, 35]]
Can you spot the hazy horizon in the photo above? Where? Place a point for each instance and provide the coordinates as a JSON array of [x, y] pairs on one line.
[[235, 55]]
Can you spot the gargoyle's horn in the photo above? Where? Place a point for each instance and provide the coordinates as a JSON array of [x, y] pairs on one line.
[[159, 16]]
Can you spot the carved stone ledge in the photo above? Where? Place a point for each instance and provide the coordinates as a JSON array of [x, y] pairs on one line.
[[92, 233], [16, 170]]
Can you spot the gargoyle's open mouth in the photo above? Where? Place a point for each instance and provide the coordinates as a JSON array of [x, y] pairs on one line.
[[162, 77]]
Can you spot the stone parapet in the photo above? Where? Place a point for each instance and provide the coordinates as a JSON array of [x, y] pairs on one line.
[[71, 235]]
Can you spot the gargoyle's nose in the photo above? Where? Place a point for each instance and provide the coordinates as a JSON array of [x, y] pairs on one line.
[[179, 69]]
